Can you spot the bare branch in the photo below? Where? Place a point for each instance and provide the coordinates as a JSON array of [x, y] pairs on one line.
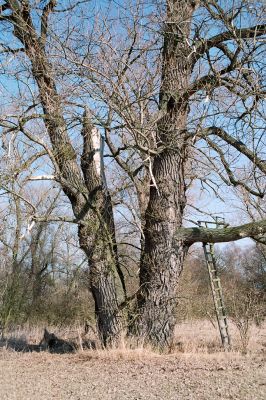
[[206, 235], [237, 144], [242, 33], [9, 50], [42, 178], [48, 9], [232, 180]]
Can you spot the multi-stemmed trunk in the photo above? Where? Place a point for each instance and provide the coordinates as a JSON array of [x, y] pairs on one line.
[[162, 258], [164, 242]]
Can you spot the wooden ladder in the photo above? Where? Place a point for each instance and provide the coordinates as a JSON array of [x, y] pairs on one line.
[[216, 287]]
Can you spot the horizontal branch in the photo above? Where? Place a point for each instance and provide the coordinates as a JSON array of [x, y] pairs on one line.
[[220, 235], [9, 50]]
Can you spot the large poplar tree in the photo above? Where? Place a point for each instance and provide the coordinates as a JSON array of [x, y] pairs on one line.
[[177, 88]]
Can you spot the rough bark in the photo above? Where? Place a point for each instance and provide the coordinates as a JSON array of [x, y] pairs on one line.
[[97, 238], [166, 242], [162, 262], [83, 186], [256, 230]]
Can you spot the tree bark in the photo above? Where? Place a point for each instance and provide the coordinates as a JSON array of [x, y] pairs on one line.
[[83, 186], [255, 230], [97, 239], [162, 261]]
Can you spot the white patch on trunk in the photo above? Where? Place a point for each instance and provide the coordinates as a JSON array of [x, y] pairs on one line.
[[96, 145], [171, 214], [42, 178], [30, 226]]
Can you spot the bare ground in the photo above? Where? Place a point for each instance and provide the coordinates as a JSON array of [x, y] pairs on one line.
[[201, 372]]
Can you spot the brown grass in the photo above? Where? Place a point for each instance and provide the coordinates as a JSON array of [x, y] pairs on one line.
[[191, 338], [197, 368], [203, 337]]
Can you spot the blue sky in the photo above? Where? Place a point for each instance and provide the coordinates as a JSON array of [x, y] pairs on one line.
[[9, 86]]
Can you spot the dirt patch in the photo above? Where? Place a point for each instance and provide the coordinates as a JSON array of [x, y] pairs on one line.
[[35, 376]]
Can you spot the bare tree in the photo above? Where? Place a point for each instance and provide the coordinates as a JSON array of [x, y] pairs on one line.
[[82, 184], [178, 101]]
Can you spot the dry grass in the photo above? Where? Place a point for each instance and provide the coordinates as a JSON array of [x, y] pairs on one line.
[[203, 337], [191, 337], [197, 368]]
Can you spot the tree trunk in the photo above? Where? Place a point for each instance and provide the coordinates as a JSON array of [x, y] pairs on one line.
[[83, 186], [96, 238], [163, 257]]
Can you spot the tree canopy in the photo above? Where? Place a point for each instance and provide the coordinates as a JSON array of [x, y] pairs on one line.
[[134, 111]]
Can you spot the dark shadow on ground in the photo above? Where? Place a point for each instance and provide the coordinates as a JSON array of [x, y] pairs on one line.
[[50, 342], [20, 345]]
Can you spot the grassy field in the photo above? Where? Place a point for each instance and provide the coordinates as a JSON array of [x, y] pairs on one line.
[[196, 368]]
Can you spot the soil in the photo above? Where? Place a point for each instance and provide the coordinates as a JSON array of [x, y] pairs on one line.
[[86, 375]]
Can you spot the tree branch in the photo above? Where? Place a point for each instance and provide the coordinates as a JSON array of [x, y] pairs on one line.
[[232, 179], [237, 144], [245, 33], [211, 80], [9, 50], [206, 235], [42, 178], [49, 8]]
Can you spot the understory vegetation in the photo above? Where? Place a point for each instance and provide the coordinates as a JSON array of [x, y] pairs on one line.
[[63, 299]]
